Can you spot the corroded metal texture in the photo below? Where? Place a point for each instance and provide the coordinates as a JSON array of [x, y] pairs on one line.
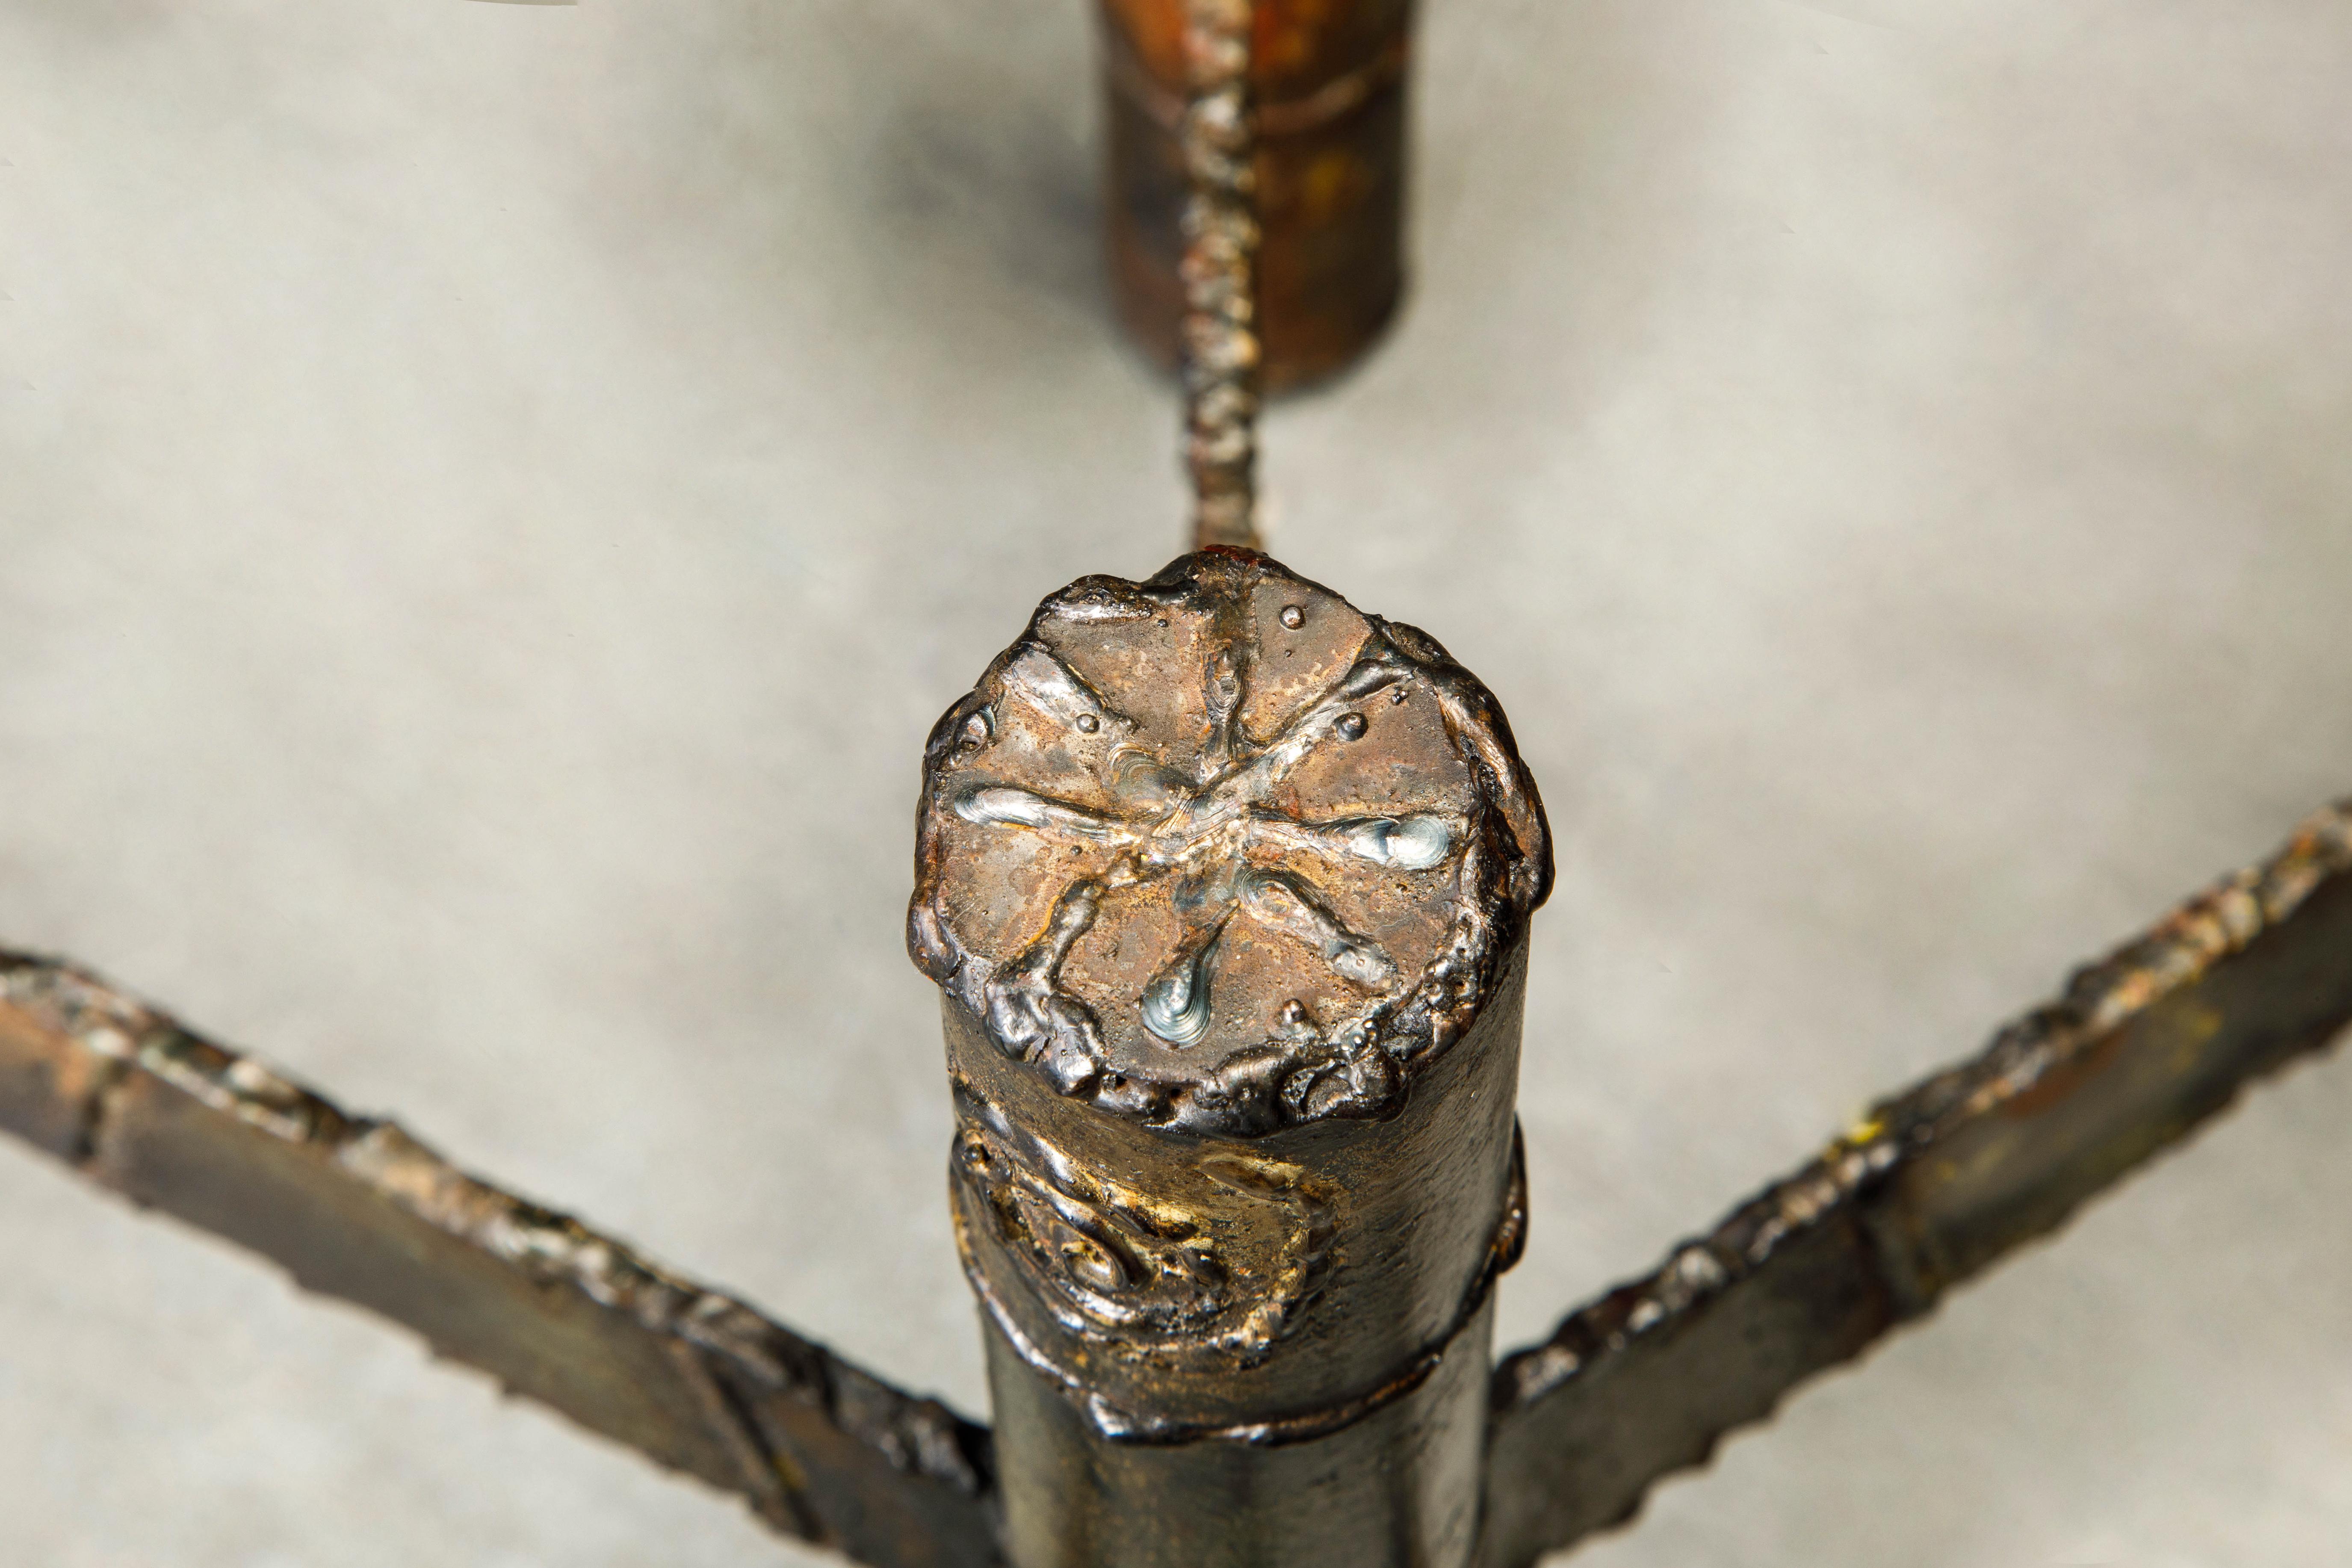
[[1221, 355], [1218, 854], [358, 1209], [1328, 83], [1935, 1186], [1227, 885]]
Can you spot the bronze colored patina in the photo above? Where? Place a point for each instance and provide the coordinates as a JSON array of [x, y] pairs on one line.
[[1327, 79], [1936, 1185], [356, 1208], [1227, 886]]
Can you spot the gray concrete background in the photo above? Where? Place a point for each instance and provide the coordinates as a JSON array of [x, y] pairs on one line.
[[491, 498]]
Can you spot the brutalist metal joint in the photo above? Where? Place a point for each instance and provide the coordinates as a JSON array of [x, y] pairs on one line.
[[1227, 886]]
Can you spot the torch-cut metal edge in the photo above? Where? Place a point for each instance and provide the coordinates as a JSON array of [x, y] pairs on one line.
[[356, 1208], [1935, 1186]]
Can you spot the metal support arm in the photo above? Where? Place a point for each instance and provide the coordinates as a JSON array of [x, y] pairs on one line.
[[358, 1209], [1936, 1185]]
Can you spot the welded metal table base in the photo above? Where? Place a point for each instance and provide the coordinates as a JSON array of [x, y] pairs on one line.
[[1936, 1186]]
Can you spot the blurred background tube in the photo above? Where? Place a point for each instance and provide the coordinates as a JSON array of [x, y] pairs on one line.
[[1329, 78]]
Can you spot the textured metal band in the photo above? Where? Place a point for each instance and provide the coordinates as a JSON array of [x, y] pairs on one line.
[[1125, 1425]]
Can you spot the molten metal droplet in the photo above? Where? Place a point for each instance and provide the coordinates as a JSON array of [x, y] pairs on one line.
[[1406, 844], [1088, 724], [1175, 1006], [1352, 726], [1292, 617]]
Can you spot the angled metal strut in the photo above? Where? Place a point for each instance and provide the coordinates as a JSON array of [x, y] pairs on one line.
[[1936, 1185], [356, 1208]]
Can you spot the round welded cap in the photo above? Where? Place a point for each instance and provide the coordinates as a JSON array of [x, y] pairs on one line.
[[1220, 852]]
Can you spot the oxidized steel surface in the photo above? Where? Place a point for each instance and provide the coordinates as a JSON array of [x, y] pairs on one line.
[[1936, 1185], [1227, 885], [1328, 84], [1219, 854], [358, 1209], [1398, 1487]]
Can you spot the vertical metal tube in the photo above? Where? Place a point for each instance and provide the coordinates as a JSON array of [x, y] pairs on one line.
[[1227, 885], [1327, 90]]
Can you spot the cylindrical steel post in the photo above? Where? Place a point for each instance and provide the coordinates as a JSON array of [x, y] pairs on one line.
[[1328, 85], [1227, 886]]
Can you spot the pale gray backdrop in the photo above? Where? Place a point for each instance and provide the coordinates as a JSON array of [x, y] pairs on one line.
[[491, 498]]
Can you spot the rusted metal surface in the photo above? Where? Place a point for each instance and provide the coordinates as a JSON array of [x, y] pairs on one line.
[[356, 1208], [1935, 1186], [1221, 356], [1227, 886], [1327, 81]]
